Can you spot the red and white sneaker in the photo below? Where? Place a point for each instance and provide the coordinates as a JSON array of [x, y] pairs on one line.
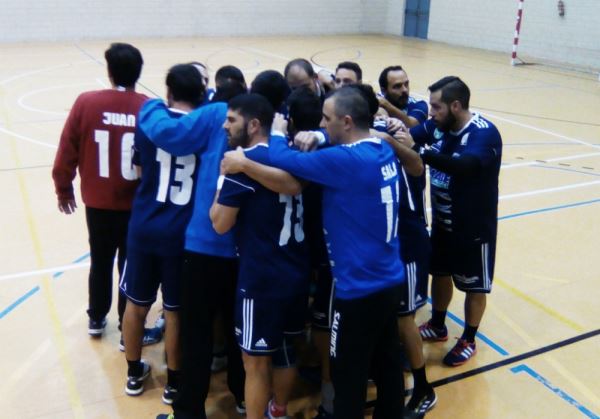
[[433, 334], [461, 353]]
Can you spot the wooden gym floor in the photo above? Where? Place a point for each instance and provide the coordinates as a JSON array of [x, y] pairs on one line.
[[547, 279]]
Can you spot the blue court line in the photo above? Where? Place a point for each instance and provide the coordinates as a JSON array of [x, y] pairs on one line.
[[555, 390], [31, 292], [548, 209], [480, 335], [79, 259], [21, 300]]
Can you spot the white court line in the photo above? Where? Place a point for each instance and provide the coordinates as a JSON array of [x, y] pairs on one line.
[[522, 125], [549, 190], [29, 73], [534, 162], [30, 140], [21, 99], [45, 271], [102, 83]]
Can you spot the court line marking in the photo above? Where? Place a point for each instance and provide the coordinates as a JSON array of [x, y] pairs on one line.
[[22, 104], [24, 138], [19, 301], [560, 393], [548, 190], [57, 271], [29, 73], [532, 343], [58, 335], [516, 358], [522, 125], [548, 209], [553, 313], [552, 160]]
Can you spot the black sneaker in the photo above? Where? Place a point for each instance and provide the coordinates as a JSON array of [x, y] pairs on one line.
[[169, 394], [420, 404], [151, 336], [135, 385], [96, 327]]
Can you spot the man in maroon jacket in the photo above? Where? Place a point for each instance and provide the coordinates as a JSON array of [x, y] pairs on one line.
[[98, 138]]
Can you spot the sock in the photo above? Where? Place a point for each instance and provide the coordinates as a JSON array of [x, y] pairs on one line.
[[327, 395], [135, 368], [438, 318], [469, 333], [421, 383], [173, 377], [277, 410]]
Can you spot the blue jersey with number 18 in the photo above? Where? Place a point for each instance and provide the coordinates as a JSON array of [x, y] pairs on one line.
[[162, 204], [269, 234]]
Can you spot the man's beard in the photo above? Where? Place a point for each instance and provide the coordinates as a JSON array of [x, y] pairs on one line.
[[240, 140], [399, 102], [447, 124]]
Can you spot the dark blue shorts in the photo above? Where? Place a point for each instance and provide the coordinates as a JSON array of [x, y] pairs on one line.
[[416, 253], [261, 323], [144, 272], [470, 263], [322, 306]]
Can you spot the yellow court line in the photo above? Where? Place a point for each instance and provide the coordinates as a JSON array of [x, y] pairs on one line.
[[533, 344], [553, 313], [59, 339]]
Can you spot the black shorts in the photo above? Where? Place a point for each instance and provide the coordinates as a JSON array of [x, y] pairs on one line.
[[416, 254], [470, 262], [144, 272]]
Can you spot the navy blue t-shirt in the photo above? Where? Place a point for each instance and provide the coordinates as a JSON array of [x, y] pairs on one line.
[[269, 234], [466, 205], [162, 205]]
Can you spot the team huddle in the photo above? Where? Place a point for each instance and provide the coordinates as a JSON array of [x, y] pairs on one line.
[[257, 210]]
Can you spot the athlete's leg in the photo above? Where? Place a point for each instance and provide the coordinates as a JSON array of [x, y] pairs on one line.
[[258, 384]]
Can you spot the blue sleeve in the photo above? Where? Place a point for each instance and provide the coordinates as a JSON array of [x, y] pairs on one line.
[[486, 145], [236, 189], [329, 166], [180, 136], [419, 111], [423, 133]]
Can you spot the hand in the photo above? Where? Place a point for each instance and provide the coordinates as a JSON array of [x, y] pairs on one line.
[[306, 141], [403, 137], [383, 102], [233, 161], [279, 124], [394, 124], [67, 206]]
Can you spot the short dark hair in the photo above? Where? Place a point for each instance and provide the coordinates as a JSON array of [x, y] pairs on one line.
[[369, 94], [453, 88], [383, 77], [303, 63], [352, 66], [229, 72], [124, 64], [254, 106], [227, 91], [272, 85], [305, 109], [185, 84], [351, 101]]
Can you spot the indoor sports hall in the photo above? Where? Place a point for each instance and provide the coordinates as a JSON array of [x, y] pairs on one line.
[[539, 342]]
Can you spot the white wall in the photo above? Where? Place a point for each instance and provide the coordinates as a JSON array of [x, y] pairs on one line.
[[490, 24], [58, 20]]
